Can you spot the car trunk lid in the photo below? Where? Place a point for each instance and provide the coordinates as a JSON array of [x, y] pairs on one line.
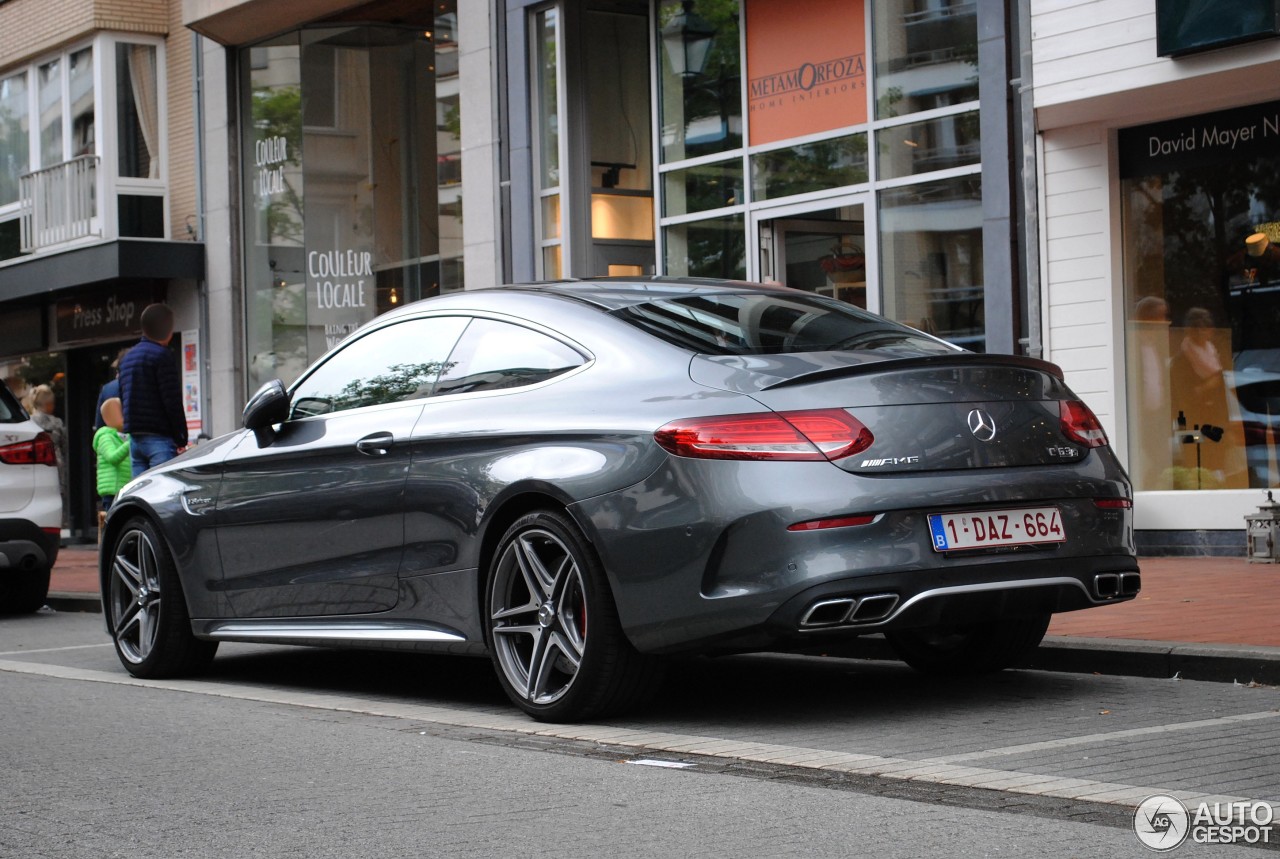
[[927, 413]]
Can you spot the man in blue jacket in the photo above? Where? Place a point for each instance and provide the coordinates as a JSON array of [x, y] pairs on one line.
[[151, 392]]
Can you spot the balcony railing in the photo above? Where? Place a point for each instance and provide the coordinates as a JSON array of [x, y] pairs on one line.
[[60, 203]]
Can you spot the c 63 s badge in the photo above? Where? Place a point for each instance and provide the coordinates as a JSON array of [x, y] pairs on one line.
[[893, 460], [1062, 452]]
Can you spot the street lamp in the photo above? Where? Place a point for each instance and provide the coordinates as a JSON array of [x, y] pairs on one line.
[[687, 40]]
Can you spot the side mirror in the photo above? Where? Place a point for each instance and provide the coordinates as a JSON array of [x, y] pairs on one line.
[[268, 407]]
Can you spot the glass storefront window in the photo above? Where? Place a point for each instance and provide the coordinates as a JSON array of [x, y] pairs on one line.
[[931, 258], [627, 217], [1201, 238], [137, 112], [715, 247], [703, 188], [551, 216], [619, 113], [553, 262], [274, 193], [444, 103], [545, 108], [810, 167], [809, 98], [926, 55], [15, 142], [922, 147], [700, 86], [353, 202]]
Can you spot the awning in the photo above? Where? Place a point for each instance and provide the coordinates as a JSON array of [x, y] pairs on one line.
[[159, 259]]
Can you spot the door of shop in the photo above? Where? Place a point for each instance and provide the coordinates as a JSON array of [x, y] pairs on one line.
[[88, 369], [820, 248]]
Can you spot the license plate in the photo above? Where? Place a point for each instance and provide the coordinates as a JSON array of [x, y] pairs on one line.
[[982, 529]]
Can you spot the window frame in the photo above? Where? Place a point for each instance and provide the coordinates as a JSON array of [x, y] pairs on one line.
[[584, 354], [375, 330], [110, 186]]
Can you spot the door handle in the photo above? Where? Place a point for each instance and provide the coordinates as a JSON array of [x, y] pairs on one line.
[[378, 444]]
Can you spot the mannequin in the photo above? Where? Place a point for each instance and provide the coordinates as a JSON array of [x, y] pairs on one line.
[[1256, 245], [1259, 263]]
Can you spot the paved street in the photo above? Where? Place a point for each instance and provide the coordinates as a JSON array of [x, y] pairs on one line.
[[284, 751]]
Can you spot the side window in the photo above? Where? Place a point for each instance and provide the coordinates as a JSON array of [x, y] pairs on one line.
[[493, 355], [399, 362]]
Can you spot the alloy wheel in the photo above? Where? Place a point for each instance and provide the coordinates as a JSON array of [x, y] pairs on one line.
[[135, 596], [538, 615]]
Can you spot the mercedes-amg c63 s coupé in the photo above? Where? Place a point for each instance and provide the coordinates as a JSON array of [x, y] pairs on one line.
[[580, 478]]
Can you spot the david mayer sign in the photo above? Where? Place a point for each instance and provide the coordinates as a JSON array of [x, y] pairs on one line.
[[1200, 141]]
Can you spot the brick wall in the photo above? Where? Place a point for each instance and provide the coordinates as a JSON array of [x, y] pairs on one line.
[[29, 28], [181, 118]]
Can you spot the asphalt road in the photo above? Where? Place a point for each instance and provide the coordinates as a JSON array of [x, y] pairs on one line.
[[285, 752]]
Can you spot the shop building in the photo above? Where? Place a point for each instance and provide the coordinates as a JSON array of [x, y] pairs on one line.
[[862, 150], [855, 148], [342, 127], [99, 204], [1159, 137]]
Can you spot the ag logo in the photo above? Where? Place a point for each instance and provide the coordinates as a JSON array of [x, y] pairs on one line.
[[1161, 822]]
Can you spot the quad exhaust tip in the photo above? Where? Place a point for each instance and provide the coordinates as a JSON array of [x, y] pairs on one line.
[[1112, 585], [848, 611]]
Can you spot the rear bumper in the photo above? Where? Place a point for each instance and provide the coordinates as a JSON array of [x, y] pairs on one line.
[[980, 594], [699, 555], [26, 548]]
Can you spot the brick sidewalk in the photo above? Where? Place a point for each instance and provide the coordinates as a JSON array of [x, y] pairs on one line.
[[1193, 600], [1198, 600]]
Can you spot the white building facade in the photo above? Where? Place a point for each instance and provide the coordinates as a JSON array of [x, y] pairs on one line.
[[1159, 201]]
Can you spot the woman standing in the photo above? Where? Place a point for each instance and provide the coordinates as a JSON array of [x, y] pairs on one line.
[[39, 403]]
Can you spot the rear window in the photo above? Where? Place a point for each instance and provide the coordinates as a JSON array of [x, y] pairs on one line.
[[768, 324], [10, 411]]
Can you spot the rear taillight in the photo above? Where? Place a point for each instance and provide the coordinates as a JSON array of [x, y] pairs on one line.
[[1112, 503], [1080, 424], [37, 451], [819, 434], [837, 522]]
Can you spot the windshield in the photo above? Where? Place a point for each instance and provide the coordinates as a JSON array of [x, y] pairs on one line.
[[772, 324]]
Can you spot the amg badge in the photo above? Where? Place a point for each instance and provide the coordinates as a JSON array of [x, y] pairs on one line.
[[893, 460]]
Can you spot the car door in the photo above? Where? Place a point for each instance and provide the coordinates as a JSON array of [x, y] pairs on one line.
[[312, 523], [475, 436]]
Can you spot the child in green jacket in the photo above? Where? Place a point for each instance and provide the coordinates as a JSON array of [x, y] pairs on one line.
[[112, 447]]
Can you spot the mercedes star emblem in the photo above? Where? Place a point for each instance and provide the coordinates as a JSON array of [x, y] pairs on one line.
[[982, 425]]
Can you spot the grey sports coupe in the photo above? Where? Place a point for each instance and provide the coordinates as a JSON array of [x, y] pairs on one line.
[[579, 478]]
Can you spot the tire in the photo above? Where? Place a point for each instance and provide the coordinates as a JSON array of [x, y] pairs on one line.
[[552, 627], [24, 591], [979, 648], [150, 626]]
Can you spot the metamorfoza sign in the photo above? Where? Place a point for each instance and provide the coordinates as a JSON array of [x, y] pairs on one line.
[[1207, 140], [808, 80], [806, 70]]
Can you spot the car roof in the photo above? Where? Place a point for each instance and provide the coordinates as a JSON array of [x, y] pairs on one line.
[[601, 294], [614, 292]]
